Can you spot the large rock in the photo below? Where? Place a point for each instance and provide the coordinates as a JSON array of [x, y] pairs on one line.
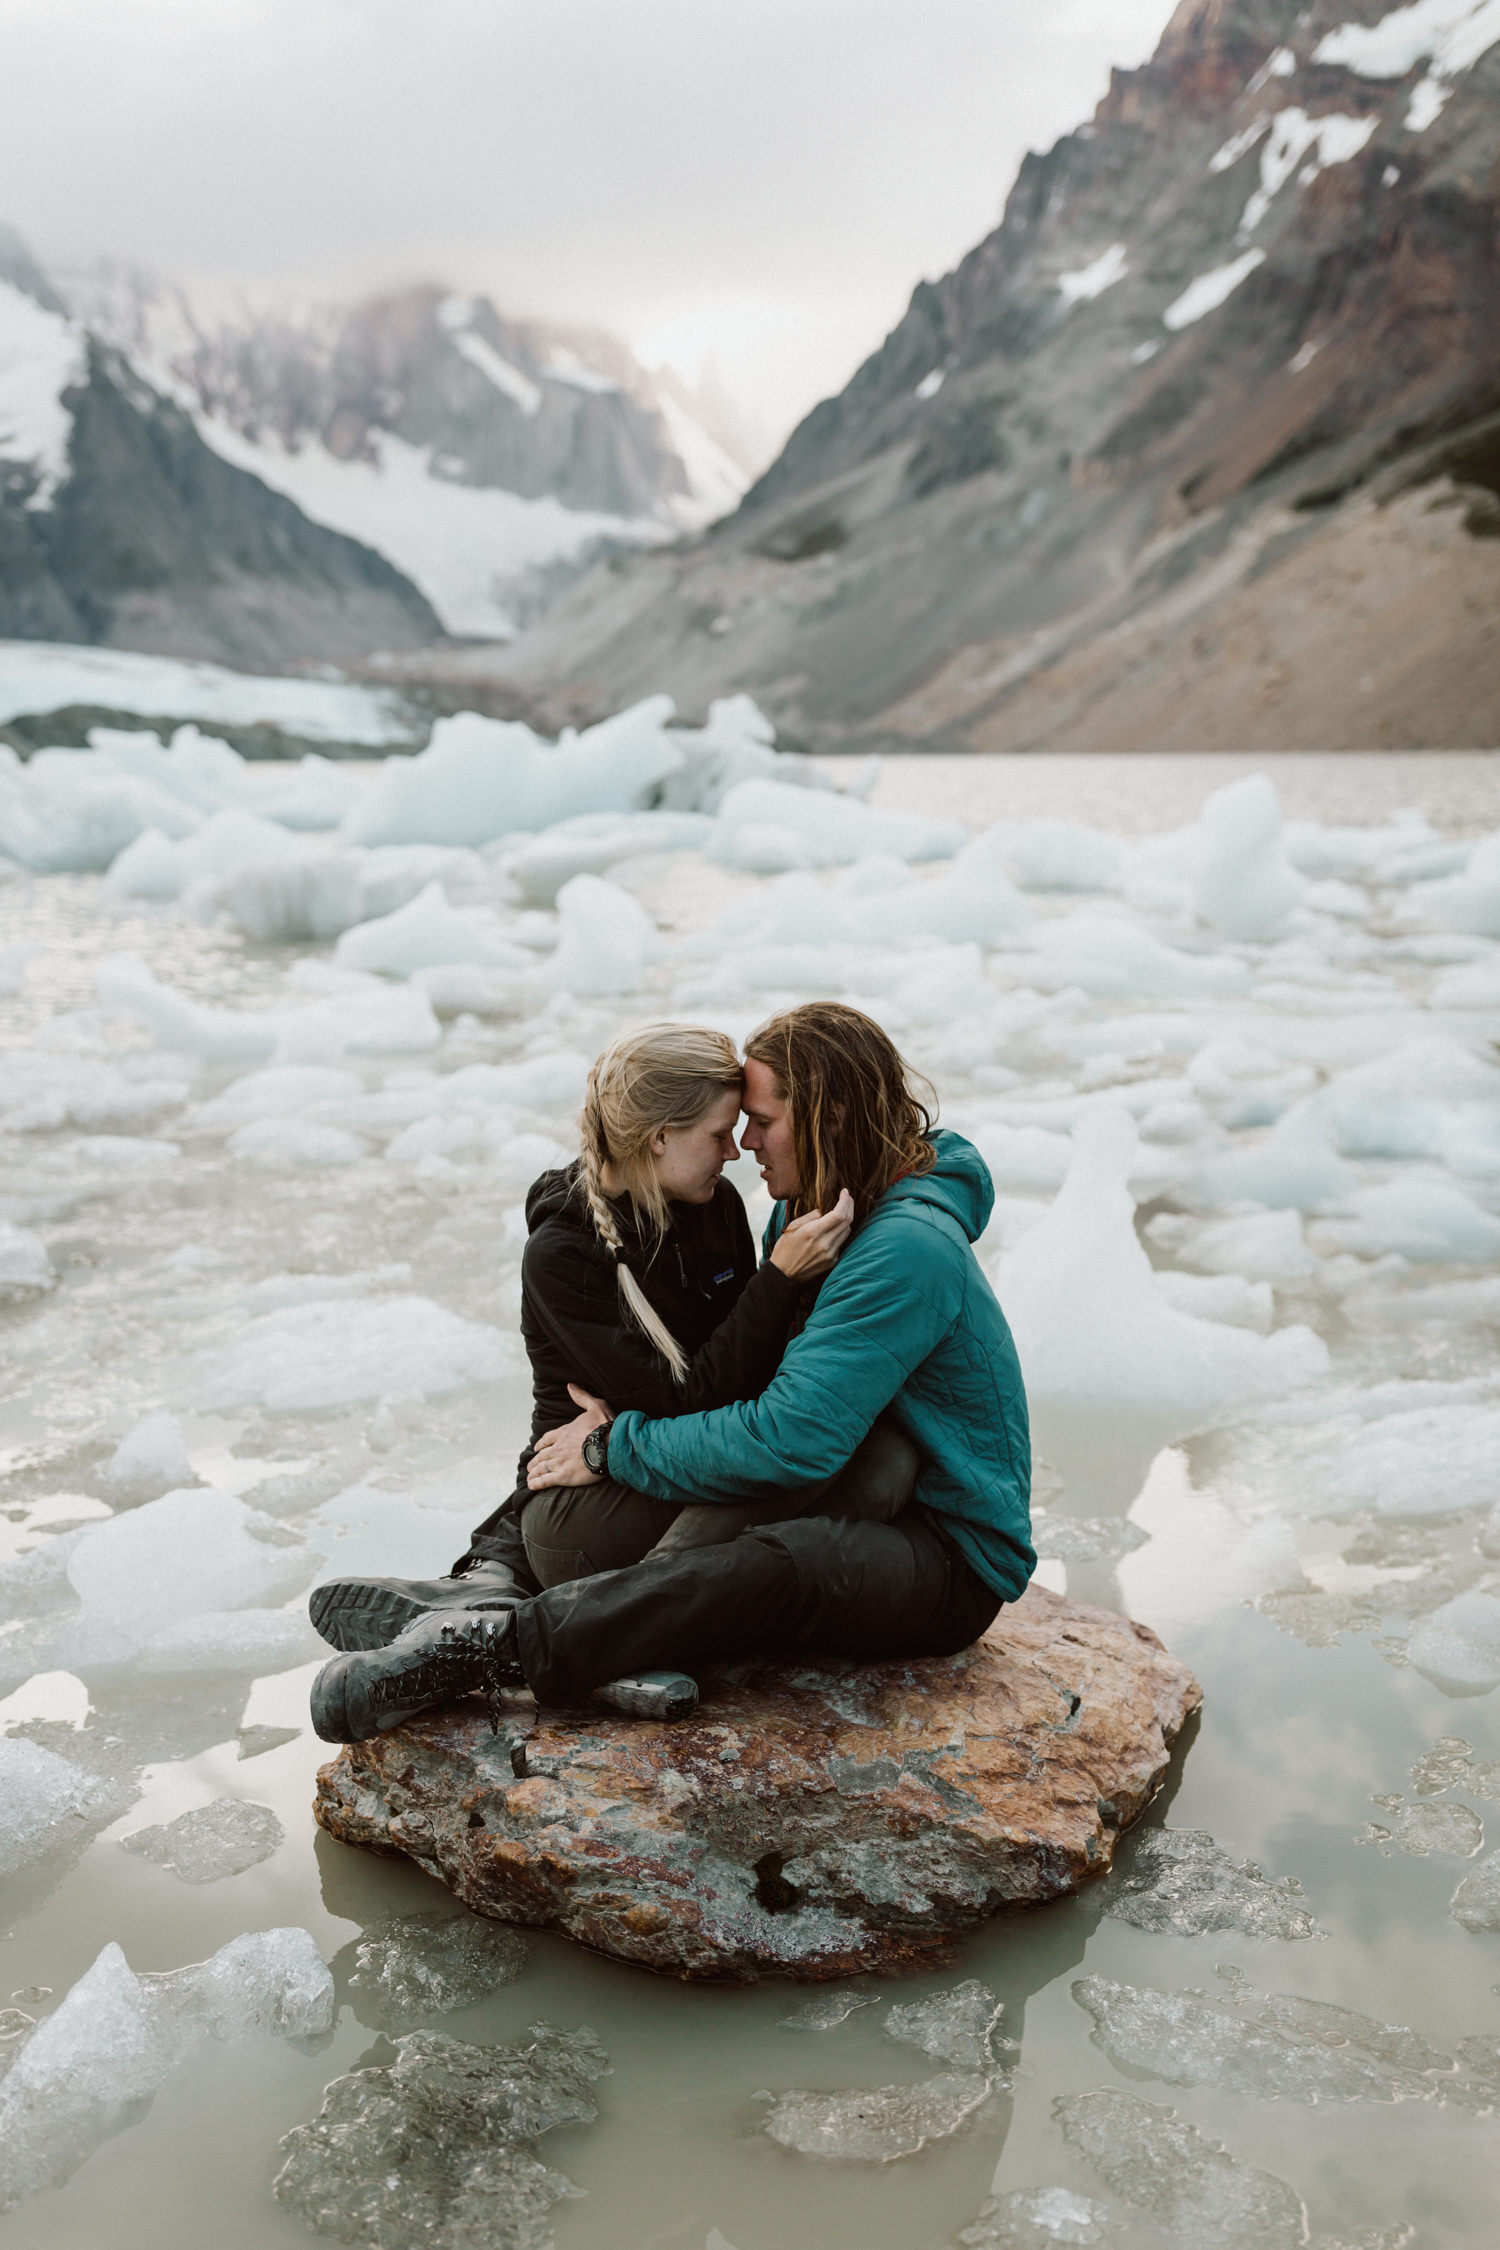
[[812, 1820]]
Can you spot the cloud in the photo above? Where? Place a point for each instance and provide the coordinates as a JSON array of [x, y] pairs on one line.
[[663, 168]]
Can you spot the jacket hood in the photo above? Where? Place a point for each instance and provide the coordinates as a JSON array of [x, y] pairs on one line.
[[959, 1184]]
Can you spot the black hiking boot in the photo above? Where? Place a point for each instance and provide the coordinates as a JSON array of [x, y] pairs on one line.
[[437, 1658], [359, 1613]]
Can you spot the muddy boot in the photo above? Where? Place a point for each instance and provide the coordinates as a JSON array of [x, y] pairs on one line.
[[651, 1695], [438, 1658], [363, 1613]]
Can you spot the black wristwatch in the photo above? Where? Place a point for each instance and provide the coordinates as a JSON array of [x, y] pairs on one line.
[[596, 1450]]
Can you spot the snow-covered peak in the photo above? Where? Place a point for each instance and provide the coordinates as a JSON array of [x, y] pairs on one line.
[[42, 354]]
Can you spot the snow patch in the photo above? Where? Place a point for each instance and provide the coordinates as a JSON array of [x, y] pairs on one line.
[[1210, 290]]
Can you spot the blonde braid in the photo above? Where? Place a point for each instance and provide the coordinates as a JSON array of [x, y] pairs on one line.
[[645, 1082]]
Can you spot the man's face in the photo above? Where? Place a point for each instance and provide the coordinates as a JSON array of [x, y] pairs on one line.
[[768, 1132]]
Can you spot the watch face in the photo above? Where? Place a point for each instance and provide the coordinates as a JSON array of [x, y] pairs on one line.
[[593, 1450]]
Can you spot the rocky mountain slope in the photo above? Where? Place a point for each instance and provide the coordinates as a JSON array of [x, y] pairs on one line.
[[1202, 444], [119, 525], [490, 458]]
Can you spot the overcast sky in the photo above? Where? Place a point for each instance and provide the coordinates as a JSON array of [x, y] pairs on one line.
[[763, 180]]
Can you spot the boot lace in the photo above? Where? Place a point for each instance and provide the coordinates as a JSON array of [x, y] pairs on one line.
[[431, 1677]]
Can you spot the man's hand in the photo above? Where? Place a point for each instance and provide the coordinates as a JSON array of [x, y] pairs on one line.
[[558, 1458], [808, 1247]]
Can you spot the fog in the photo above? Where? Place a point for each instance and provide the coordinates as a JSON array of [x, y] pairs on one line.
[[761, 185]]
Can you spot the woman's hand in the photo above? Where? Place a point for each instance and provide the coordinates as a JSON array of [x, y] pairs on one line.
[[807, 1248], [558, 1458]]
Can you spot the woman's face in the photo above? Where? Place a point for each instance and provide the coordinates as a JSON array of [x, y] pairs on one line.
[[689, 1158]]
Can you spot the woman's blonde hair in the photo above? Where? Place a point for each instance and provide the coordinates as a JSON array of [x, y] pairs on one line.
[[658, 1078]]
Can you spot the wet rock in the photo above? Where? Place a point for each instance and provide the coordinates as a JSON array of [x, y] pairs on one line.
[[419, 1965], [1182, 1880], [877, 2124], [1168, 2172], [212, 1841], [864, 1815], [436, 2151]]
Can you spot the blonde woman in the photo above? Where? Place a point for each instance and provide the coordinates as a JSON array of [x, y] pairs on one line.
[[640, 1286]]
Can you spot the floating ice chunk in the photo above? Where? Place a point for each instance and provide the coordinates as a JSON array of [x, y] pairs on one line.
[[1113, 1372], [61, 813], [1110, 956], [594, 842], [1302, 2050], [1180, 1879], [1245, 884], [41, 1092], [369, 1020], [46, 1803], [834, 830], [1457, 1647], [1408, 1103], [480, 778], [1453, 1830], [148, 1569], [419, 1965], [1196, 2192], [1422, 1219], [278, 1091], [607, 937], [1036, 2218], [25, 1268], [1266, 1247], [305, 1359], [115, 2037], [1024, 1156], [1226, 1297], [438, 2147], [1476, 1902], [880, 2124], [285, 1144], [973, 902], [1470, 901], [240, 1640], [1433, 1460], [212, 1841], [826, 2010], [1294, 1168], [1477, 986], [958, 2027], [150, 1459], [427, 933], [128, 986], [153, 867]]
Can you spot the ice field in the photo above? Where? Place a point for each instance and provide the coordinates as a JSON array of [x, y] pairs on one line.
[[281, 1048]]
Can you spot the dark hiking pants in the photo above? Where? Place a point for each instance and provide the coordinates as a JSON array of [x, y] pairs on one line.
[[571, 1531], [862, 1590]]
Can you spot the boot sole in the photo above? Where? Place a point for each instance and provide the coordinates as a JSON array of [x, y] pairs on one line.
[[355, 1615], [359, 1614]]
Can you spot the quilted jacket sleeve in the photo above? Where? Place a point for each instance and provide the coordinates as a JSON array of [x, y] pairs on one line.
[[895, 1293]]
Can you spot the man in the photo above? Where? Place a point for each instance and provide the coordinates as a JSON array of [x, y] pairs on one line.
[[905, 1325]]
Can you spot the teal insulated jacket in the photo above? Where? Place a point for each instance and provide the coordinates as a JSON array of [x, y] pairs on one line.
[[905, 1324]]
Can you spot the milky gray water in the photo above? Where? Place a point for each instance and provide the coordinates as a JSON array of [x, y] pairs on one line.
[[1287, 1550]]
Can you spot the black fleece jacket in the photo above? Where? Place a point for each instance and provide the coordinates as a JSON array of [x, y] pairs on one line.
[[731, 1317]]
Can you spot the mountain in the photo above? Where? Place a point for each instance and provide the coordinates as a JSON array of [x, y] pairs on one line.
[[489, 458], [1201, 447], [119, 525]]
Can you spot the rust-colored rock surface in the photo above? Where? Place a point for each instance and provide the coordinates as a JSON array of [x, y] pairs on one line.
[[813, 1819]]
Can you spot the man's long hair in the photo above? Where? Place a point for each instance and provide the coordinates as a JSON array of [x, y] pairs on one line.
[[857, 1121]]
